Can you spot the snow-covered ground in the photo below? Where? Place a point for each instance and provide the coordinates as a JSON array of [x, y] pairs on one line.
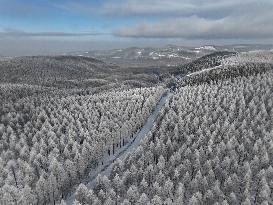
[[249, 57], [211, 48], [204, 70], [106, 168]]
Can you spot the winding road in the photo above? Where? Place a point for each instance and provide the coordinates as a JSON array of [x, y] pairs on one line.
[[106, 168]]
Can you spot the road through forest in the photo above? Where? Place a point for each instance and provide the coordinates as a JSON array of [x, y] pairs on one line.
[[106, 168]]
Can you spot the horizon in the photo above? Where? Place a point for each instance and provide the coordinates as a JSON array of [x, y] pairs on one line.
[[72, 52]]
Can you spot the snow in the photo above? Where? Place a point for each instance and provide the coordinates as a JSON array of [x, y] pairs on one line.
[[248, 57], [173, 55], [197, 51], [116, 57], [139, 54], [186, 58], [204, 70], [155, 55], [211, 48], [106, 168]]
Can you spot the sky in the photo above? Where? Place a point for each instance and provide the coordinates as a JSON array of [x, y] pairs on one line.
[[29, 27]]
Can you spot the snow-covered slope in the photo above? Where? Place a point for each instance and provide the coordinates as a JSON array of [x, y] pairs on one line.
[[121, 154]]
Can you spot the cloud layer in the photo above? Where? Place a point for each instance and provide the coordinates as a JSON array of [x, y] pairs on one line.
[[170, 7], [238, 27], [16, 33], [188, 19], [199, 20]]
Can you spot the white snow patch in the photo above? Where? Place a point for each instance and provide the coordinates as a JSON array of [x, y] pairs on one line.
[[187, 58], [204, 70], [173, 55], [211, 48]]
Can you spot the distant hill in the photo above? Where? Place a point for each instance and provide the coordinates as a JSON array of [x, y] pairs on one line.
[[204, 62], [72, 72], [222, 66], [168, 56], [48, 70]]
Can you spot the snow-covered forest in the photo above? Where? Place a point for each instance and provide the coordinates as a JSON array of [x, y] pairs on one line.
[[209, 125], [214, 145], [49, 143], [136, 102]]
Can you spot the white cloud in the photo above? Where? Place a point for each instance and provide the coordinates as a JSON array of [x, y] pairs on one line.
[[244, 23], [188, 19], [18, 33], [177, 8]]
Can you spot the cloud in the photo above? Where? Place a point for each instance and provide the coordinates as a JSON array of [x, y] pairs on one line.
[[19, 34], [177, 19], [155, 8], [188, 19], [160, 7], [208, 8], [250, 22]]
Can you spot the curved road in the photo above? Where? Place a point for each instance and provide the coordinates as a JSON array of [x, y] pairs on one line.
[[106, 168]]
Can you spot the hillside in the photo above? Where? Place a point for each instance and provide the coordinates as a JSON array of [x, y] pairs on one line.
[[216, 67], [204, 62], [48, 70], [207, 139], [212, 145], [168, 56], [71, 72]]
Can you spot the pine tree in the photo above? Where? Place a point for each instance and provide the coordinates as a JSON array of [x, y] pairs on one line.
[[133, 194], [27, 196], [193, 200], [179, 195], [143, 200], [81, 194], [156, 200]]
